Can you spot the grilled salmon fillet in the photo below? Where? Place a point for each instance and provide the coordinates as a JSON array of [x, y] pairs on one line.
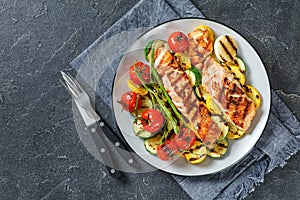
[[228, 94], [179, 88], [220, 84], [199, 47]]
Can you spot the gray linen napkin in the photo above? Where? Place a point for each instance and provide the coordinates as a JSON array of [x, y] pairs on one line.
[[280, 139]]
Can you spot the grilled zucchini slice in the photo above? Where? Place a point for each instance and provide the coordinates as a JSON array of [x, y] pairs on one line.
[[212, 106], [219, 149], [151, 144], [197, 153], [222, 126], [194, 76], [148, 48], [140, 131], [236, 72], [183, 59], [234, 133], [225, 48], [146, 104], [240, 63], [140, 90], [201, 93], [211, 34], [253, 94]]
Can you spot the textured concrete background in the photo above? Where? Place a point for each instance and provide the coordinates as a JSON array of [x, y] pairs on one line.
[[41, 154]]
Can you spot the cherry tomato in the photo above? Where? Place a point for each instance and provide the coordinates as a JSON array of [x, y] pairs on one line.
[[178, 42], [185, 138], [152, 120], [142, 69], [130, 101], [167, 150]]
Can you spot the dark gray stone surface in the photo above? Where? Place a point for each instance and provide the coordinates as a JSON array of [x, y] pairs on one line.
[[42, 156]]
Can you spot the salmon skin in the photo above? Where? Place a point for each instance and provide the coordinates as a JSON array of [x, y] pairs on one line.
[[220, 84], [179, 88]]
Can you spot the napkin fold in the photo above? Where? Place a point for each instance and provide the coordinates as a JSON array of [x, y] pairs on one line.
[[280, 139]]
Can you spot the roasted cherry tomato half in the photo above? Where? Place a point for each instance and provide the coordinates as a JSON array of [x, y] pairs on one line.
[[142, 69], [167, 150], [130, 101], [185, 138], [178, 42], [152, 120]]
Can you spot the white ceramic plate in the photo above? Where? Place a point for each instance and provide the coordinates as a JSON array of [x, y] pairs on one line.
[[255, 75]]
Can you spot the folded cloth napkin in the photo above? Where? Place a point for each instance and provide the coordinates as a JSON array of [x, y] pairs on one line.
[[280, 139]]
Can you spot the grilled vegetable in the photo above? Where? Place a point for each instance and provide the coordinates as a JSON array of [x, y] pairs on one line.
[[201, 42], [201, 93], [219, 149], [194, 76], [222, 126], [140, 90], [197, 153], [212, 106], [204, 28], [152, 120], [149, 46], [178, 41], [234, 132], [225, 48], [235, 71], [145, 105], [185, 138], [151, 144], [167, 150], [253, 94], [139, 130], [147, 50], [130, 101], [240, 64], [142, 69], [183, 60]]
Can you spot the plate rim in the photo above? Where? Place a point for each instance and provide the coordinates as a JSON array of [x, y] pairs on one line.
[[264, 68]]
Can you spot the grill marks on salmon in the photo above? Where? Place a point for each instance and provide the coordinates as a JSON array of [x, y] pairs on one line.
[[199, 47], [179, 88], [220, 84], [228, 94]]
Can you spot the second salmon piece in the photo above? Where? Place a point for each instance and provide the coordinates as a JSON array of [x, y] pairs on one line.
[[179, 88]]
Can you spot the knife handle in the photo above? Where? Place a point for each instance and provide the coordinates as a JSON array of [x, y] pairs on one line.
[[113, 137], [122, 148], [103, 146]]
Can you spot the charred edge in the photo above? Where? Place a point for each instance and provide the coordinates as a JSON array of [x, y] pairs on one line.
[[222, 145], [230, 42], [246, 109], [234, 89], [229, 102], [198, 147], [226, 50]]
